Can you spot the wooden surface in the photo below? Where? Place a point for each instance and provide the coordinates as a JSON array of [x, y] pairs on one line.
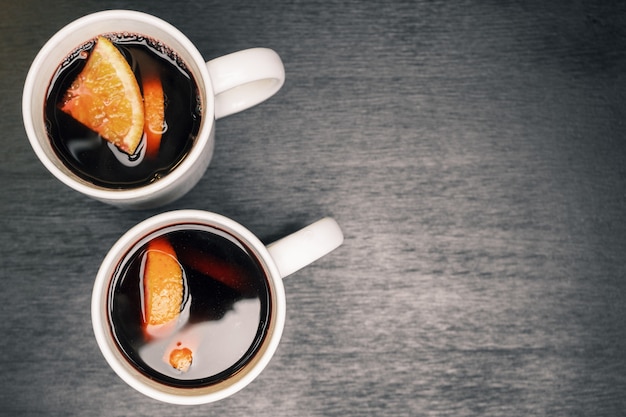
[[474, 154]]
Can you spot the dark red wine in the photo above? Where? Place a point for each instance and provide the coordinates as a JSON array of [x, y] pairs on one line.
[[223, 317], [96, 160]]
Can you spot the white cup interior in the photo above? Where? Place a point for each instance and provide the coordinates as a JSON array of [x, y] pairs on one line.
[[69, 39], [145, 384]]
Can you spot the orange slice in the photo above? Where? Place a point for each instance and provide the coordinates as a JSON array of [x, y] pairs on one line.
[[105, 97], [154, 110], [162, 286]]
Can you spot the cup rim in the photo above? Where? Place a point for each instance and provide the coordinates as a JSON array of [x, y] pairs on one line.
[[104, 337], [203, 79]]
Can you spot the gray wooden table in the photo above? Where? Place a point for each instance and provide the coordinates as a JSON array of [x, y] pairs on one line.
[[474, 154]]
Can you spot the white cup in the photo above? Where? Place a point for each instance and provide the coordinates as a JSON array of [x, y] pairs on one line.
[[227, 85], [278, 260]]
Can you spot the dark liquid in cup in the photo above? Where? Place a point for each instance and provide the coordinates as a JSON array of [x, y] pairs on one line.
[[224, 315], [95, 160]]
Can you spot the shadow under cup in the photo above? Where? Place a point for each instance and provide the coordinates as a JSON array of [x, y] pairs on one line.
[[186, 172], [232, 309]]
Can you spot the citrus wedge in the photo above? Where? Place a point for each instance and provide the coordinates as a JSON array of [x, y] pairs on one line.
[[105, 97], [154, 110], [162, 286]]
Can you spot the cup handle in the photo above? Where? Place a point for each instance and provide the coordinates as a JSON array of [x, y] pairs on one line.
[[305, 246], [244, 79]]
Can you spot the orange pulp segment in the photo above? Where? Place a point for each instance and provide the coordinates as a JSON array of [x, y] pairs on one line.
[[105, 97], [181, 359], [162, 284], [154, 110]]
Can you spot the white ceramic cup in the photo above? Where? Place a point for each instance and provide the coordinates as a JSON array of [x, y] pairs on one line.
[[278, 260], [227, 85]]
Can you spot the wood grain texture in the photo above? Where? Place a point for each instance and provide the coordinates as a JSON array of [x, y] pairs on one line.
[[473, 153]]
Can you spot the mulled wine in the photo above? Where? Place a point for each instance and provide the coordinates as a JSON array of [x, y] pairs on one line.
[[98, 161], [224, 309]]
